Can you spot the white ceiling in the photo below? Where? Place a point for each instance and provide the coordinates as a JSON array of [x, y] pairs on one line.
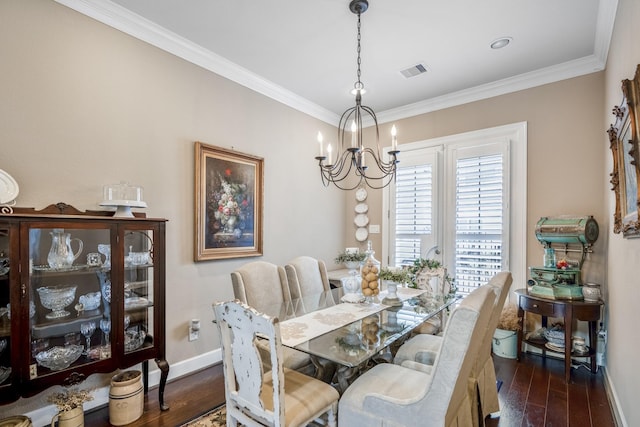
[[303, 53]]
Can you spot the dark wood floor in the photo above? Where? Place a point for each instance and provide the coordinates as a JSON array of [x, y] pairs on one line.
[[533, 393]]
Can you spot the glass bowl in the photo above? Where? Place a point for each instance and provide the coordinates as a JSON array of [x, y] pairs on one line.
[[90, 301], [133, 339], [56, 298], [57, 358]]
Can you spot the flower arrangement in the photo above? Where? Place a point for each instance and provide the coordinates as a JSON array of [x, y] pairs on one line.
[[69, 399], [350, 256], [509, 320], [397, 275], [231, 205]]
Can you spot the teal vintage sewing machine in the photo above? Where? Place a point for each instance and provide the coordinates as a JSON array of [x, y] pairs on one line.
[[566, 240]]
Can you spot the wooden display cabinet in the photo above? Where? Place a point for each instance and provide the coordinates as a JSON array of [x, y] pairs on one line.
[[112, 289]]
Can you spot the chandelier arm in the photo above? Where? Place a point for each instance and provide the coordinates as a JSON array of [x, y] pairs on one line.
[[352, 155]]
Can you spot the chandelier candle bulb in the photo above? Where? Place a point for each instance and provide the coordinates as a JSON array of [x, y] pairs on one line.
[[329, 154], [354, 130], [394, 139], [320, 142]]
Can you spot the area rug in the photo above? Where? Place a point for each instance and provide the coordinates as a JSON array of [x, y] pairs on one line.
[[214, 418]]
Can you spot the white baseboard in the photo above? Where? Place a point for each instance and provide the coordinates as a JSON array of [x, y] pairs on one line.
[[613, 400], [42, 416]]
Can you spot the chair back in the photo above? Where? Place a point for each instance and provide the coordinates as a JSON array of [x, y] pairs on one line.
[[239, 326], [306, 275], [433, 281], [260, 284], [460, 345], [501, 283]]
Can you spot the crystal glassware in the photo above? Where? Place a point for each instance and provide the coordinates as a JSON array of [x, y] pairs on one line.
[[56, 298], [105, 325], [87, 329]]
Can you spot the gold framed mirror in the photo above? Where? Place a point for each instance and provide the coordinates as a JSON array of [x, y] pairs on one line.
[[623, 141]]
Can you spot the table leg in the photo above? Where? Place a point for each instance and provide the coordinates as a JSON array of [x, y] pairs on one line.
[[593, 342], [568, 332]]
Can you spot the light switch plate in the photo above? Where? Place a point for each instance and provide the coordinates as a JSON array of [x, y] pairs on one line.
[[374, 228]]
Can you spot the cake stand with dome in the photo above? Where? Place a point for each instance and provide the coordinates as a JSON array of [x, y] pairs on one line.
[[123, 197]]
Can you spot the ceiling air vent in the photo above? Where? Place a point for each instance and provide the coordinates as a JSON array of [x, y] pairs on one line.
[[414, 71]]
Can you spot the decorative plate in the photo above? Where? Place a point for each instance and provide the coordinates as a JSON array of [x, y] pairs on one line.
[[361, 234], [362, 208], [361, 194], [361, 220], [8, 188], [135, 302], [555, 348]]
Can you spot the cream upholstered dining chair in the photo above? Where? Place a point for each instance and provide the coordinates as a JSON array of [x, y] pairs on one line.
[[306, 275], [394, 395], [422, 350], [280, 397], [262, 285]]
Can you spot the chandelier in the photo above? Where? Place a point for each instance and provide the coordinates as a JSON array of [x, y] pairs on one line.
[[352, 158]]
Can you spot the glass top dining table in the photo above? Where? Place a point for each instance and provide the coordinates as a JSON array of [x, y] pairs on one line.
[[351, 334]]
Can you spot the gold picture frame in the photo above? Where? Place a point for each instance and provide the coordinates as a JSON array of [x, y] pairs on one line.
[[228, 203], [624, 142]]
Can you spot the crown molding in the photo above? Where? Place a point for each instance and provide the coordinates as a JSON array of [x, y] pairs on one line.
[[122, 19], [567, 70]]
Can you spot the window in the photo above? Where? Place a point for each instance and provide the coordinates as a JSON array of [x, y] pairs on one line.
[[453, 201]]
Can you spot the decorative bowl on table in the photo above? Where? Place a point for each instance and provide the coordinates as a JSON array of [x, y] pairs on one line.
[[56, 298], [58, 358], [90, 301]]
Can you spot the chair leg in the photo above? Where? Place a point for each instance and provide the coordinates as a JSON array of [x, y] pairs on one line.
[[332, 415]]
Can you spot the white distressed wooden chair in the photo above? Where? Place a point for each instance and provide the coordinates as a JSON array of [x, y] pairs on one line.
[[280, 397], [433, 281]]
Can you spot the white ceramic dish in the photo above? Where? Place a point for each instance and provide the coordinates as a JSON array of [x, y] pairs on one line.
[[362, 208], [361, 220], [8, 188], [361, 234], [135, 302]]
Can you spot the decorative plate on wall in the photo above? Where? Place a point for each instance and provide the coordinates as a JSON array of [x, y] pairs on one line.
[[362, 208], [361, 220], [361, 234], [8, 188]]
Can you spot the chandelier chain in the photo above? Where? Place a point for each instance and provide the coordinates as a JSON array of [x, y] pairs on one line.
[[359, 84]]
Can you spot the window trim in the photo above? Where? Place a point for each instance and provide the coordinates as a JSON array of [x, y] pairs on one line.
[[516, 135]]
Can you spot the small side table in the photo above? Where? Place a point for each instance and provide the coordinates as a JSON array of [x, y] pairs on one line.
[[569, 310]]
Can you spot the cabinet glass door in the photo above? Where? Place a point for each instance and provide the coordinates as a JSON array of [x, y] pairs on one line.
[[70, 292], [5, 309], [138, 290]]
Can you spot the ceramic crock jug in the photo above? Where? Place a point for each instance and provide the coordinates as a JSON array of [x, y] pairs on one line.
[[71, 418], [61, 254]]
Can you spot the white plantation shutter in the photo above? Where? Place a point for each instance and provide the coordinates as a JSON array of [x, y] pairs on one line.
[[479, 219], [413, 210]]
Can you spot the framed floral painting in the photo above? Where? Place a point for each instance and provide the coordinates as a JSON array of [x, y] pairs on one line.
[[228, 203]]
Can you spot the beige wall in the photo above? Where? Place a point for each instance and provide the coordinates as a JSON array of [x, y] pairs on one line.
[[82, 105], [564, 158], [623, 263]]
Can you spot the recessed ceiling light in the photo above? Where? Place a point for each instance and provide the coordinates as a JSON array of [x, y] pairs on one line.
[[501, 42]]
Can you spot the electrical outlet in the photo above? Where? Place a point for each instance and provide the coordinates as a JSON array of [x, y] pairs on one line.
[[33, 371], [193, 335], [374, 228]]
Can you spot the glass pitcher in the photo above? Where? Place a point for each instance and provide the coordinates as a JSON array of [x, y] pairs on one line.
[[61, 254]]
